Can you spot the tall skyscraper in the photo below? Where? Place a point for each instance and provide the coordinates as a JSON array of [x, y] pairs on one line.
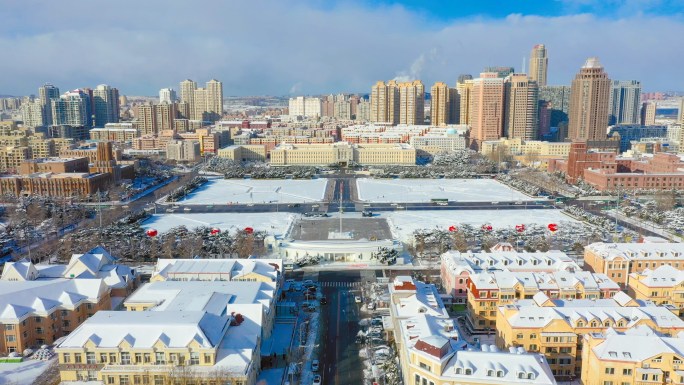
[[538, 64], [521, 96], [558, 98], [167, 95], [625, 97], [46, 94], [385, 102], [589, 102], [105, 103], [680, 113], [187, 95], [486, 108], [363, 110], [203, 103], [72, 108], [454, 106], [305, 106], [412, 102], [648, 113], [464, 87]]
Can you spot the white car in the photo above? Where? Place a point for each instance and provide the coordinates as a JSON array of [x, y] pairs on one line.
[[357, 299], [317, 380], [314, 365]]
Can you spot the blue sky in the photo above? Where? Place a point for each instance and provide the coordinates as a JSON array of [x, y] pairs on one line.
[[322, 46]]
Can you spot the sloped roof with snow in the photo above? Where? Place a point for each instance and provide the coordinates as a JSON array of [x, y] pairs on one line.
[[662, 276], [423, 299], [552, 260], [558, 280], [637, 251], [26, 298], [217, 269], [636, 345], [107, 329]]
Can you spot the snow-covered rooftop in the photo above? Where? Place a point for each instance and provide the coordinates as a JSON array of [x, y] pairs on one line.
[[411, 297], [271, 223], [637, 251], [662, 276], [558, 280], [636, 345], [20, 299], [175, 329], [211, 296], [549, 261], [217, 269]]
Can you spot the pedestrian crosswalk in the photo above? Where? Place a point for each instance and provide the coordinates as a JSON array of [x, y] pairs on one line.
[[340, 284]]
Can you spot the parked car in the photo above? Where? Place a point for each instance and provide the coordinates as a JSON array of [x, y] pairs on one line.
[[314, 365], [317, 380], [357, 299], [371, 306]]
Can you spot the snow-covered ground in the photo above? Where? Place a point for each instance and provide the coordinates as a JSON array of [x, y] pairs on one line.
[[272, 223], [404, 223], [24, 373], [423, 190], [223, 191]]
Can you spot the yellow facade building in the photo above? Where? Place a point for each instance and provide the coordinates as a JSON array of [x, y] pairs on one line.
[[343, 153], [244, 153], [638, 356], [662, 286], [619, 260], [556, 327]]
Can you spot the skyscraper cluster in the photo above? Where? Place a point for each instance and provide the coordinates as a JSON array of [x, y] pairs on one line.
[[398, 102]]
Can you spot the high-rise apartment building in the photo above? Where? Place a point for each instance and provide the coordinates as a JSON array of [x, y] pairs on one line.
[[589, 102], [558, 98], [151, 119], [72, 108], [32, 113], [363, 110], [46, 94], [680, 113], [625, 96], [648, 113], [486, 108], [385, 102], [440, 101], [167, 95], [305, 106], [105, 104], [214, 100], [539, 63], [412, 102], [521, 96], [464, 87]]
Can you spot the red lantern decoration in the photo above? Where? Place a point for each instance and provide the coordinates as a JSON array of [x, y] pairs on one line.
[[552, 227], [151, 232], [215, 231], [453, 228], [520, 228], [249, 230], [487, 227]]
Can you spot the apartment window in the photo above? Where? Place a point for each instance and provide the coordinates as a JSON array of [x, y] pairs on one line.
[[207, 358], [610, 370], [110, 380], [626, 372], [424, 366], [137, 380], [644, 377], [519, 336], [194, 358], [103, 357], [533, 336], [146, 379], [656, 377], [10, 338], [9, 327], [147, 358], [38, 319], [625, 383], [533, 347], [160, 359], [77, 358], [112, 358], [66, 357], [66, 323], [92, 375], [89, 306], [125, 358], [123, 380], [607, 382], [90, 358], [138, 358], [158, 380], [564, 361], [566, 350], [417, 382], [39, 330]]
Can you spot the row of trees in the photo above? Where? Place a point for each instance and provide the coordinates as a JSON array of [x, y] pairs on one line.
[[257, 170], [181, 192]]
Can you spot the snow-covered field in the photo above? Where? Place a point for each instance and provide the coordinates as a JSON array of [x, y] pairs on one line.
[[272, 223], [24, 373], [404, 223], [223, 191], [423, 190]]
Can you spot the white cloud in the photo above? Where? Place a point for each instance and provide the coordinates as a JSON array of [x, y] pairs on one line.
[[264, 47]]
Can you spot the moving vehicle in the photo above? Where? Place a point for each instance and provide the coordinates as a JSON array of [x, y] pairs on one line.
[[314, 365], [317, 380]]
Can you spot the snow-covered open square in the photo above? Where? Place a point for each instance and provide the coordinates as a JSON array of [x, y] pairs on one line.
[[272, 223], [224, 191], [423, 190], [404, 223]]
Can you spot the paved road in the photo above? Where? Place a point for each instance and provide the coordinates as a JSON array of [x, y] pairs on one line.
[[339, 356]]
